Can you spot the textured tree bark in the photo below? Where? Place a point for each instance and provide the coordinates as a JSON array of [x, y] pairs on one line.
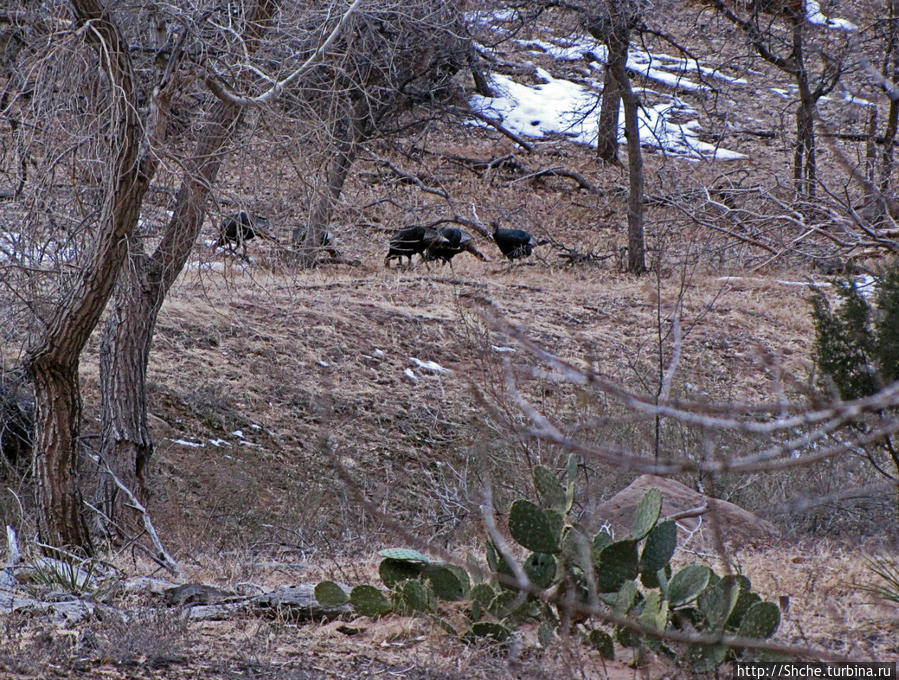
[[607, 138], [52, 361], [127, 445], [128, 334]]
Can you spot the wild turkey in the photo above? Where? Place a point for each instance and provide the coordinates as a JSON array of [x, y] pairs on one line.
[[239, 228], [457, 241], [411, 240], [514, 243], [326, 240]]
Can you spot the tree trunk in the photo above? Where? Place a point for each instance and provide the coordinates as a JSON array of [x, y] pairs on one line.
[[349, 131], [607, 137], [53, 361], [619, 39], [804, 162], [128, 334]]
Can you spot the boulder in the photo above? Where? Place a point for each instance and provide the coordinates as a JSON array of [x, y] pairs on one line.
[[738, 527]]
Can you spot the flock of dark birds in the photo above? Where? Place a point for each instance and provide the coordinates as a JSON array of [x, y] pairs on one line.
[[429, 243]]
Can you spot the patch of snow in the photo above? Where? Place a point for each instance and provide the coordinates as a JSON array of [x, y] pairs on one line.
[[184, 442], [409, 373], [323, 364], [786, 94], [501, 350], [237, 433], [852, 99], [431, 366], [561, 106], [814, 16], [254, 426], [206, 266], [219, 442]]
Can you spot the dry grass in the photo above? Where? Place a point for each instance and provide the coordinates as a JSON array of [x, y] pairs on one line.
[[340, 453]]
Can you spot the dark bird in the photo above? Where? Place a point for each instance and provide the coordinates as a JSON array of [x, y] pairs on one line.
[[239, 228], [456, 241], [514, 243], [411, 240], [326, 240]]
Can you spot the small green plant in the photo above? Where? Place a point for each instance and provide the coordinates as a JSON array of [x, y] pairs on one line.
[[575, 583], [886, 569], [856, 346], [66, 574]]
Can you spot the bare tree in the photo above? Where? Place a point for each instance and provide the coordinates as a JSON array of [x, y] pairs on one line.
[[52, 359], [613, 25], [766, 39]]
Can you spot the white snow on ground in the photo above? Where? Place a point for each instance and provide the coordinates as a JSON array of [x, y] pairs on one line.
[[431, 366], [184, 442], [814, 15], [559, 106]]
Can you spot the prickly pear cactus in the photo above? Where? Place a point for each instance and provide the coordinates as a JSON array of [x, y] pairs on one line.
[[760, 621], [330, 594], [550, 491], [617, 563], [445, 582], [369, 601], [647, 513], [530, 527], [659, 547], [687, 584], [540, 569]]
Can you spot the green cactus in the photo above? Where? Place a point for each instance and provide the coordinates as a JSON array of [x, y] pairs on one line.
[[369, 601], [655, 612], [657, 579], [412, 598], [488, 629], [481, 596], [576, 549], [394, 571], [445, 582], [659, 547], [746, 599], [602, 643], [760, 621], [404, 554], [550, 491], [717, 602], [706, 658], [617, 563], [647, 513], [531, 527], [540, 569], [600, 541], [625, 598], [687, 584], [330, 594]]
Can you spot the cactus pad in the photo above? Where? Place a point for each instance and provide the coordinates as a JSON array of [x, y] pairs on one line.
[[531, 528], [444, 582], [617, 564], [404, 554], [687, 584], [393, 571], [602, 643], [329, 594], [647, 513], [369, 601], [550, 491], [659, 547], [760, 621], [541, 569]]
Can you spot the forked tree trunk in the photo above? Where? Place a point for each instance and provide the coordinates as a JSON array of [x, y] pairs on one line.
[[53, 361], [128, 334]]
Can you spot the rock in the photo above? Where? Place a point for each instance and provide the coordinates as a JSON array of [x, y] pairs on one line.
[[738, 526]]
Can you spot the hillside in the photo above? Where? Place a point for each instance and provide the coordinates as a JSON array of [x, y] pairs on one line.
[[304, 419]]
